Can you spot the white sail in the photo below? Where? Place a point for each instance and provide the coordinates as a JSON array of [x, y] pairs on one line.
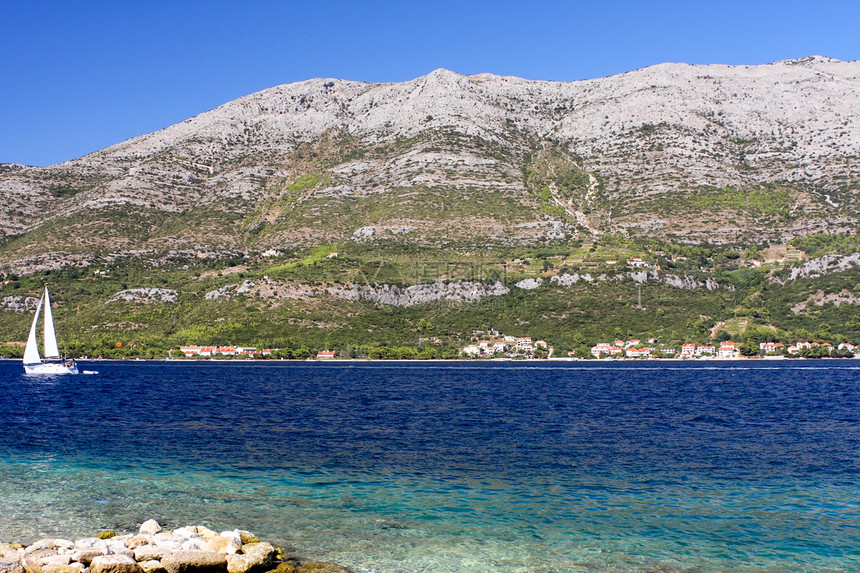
[[31, 351], [51, 350]]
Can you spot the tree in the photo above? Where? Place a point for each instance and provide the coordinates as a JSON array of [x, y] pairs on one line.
[[302, 353], [749, 347]]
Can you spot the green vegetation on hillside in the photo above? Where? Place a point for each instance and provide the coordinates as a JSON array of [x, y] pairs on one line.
[[303, 316], [827, 243]]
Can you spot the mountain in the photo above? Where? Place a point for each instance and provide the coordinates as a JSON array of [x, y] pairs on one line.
[[675, 202], [687, 153]]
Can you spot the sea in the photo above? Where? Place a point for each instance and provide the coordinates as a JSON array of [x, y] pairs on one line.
[[401, 467]]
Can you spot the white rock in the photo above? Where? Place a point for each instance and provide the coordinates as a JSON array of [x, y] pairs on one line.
[[63, 568], [529, 284], [150, 553], [114, 564], [118, 547], [56, 559], [205, 532], [152, 567], [224, 544], [52, 544], [186, 532], [193, 544], [150, 527], [164, 539], [87, 543]]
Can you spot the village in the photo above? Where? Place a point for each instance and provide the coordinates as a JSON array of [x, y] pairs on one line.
[[499, 346], [226, 351], [727, 350]]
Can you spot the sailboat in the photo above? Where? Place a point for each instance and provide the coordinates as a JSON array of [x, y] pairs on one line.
[[52, 363]]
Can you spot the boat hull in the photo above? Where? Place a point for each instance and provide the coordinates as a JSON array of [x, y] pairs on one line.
[[51, 368]]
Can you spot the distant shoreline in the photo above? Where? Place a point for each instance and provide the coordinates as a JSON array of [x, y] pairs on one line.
[[445, 360]]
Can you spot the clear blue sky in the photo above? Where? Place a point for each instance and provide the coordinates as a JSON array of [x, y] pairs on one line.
[[77, 76]]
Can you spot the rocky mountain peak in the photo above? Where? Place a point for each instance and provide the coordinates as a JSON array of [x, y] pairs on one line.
[[500, 160]]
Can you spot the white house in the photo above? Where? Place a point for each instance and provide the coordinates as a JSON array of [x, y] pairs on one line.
[[688, 350], [771, 347], [634, 352], [728, 350], [524, 344], [472, 350]]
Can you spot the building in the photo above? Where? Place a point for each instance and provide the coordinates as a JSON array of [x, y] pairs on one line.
[[524, 344], [634, 352], [728, 350], [325, 354], [190, 351], [472, 350], [771, 347], [604, 348]]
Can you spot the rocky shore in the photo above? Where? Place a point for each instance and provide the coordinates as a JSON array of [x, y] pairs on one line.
[[195, 549]]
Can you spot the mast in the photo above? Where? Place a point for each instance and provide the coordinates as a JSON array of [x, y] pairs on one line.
[[31, 351], [51, 350]]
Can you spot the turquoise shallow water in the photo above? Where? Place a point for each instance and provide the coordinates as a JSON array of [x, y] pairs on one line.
[[400, 468]]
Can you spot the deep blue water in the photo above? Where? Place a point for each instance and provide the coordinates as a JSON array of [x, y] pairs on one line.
[[451, 466]]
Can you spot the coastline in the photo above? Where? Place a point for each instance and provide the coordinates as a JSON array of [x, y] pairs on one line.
[[445, 360]]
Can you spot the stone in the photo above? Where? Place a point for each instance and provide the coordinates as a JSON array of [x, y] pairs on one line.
[[118, 548], [163, 536], [247, 536], [205, 532], [223, 545], [186, 532], [52, 544], [11, 565], [150, 527], [87, 543], [63, 568], [7, 550], [138, 540], [293, 565], [260, 553], [194, 544], [55, 560], [239, 564], [32, 558], [194, 562], [150, 553], [85, 556], [114, 564], [152, 566], [254, 555]]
